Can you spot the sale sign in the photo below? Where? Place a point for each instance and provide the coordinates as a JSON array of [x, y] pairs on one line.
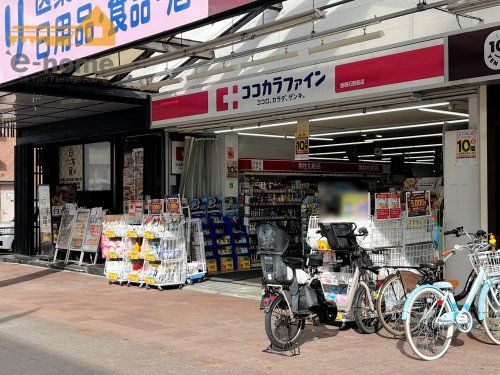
[[232, 169], [418, 203], [387, 206], [302, 140], [466, 152]]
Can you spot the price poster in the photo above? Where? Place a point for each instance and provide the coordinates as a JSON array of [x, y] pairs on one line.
[[156, 206], [387, 206], [79, 229], [302, 140], [466, 152], [94, 231], [65, 228], [232, 169], [173, 205], [418, 203]]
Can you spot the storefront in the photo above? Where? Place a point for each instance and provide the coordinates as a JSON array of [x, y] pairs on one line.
[[393, 122]]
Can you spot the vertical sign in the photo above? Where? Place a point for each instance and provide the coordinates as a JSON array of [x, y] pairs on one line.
[[71, 166], [94, 231], [418, 203], [45, 216], [177, 157], [466, 152], [79, 229], [302, 140]]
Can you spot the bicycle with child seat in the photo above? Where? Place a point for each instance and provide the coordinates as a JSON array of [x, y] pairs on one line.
[[397, 286], [431, 313]]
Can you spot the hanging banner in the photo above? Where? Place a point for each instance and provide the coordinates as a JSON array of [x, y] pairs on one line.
[[302, 140], [71, 166], [387, 206], [418, 203], [466, 152]]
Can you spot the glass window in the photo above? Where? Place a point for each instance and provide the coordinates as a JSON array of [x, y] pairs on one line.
[[98, 166]]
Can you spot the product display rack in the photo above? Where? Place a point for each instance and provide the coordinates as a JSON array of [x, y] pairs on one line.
[[263, 199]]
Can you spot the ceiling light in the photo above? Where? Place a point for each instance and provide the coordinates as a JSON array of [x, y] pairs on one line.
[[341, 144], [357, 114], [378, 135], [211, 72], [346, 42], [411, 147], [264, 135], [413, 136], [451, 113], [456, 121], [328, 153], [270, 59], [318, 158], [388, 128], [255, 127], [418, 162], [320, 139], [420, 157]]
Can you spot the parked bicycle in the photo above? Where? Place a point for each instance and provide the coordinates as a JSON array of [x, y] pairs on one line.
[[431, 313], [397, 286], [292, 288]]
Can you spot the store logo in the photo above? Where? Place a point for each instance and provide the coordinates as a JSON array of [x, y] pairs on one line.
[[492, 50], [224, 98]]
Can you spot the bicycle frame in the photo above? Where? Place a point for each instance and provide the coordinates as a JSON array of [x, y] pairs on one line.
[[450, 318], [356, 283]]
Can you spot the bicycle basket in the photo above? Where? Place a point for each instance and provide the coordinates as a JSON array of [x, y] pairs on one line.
[[488, 260], [271, 239]]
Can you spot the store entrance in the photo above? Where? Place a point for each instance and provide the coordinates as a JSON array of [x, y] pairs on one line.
[[390, 153]]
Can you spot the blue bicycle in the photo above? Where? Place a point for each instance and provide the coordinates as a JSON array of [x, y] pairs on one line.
[[431, 313]]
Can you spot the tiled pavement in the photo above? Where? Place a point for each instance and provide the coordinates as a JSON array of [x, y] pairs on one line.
[[58, 322]]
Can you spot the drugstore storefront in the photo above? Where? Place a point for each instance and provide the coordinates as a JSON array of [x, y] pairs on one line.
[[404, 109]]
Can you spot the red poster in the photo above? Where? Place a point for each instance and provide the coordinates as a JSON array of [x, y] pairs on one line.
[[387, 206]]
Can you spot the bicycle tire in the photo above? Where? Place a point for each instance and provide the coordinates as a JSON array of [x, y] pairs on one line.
[[392, 322], [278, 342], [366, 325]]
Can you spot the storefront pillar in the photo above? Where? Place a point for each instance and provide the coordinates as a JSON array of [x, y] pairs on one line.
[[24, 197]]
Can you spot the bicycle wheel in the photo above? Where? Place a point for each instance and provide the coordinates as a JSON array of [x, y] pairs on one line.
[[491, 308], [282, 328], [390, 304], [366, 318], [428, 338]]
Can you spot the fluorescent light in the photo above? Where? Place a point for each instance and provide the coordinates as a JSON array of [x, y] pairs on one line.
[[255, 127], [452, 113], [456, 121], [420, 157], [287, 55], [346, 42], [388, 128], [321, 139], [411, 147], [264, 135], [328, 153], [341, 144], [318, 158], [380, 111], [418, 162], [411, 137], [212, 72]]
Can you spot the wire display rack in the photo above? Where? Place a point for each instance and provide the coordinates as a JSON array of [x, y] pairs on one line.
[[197, 264]]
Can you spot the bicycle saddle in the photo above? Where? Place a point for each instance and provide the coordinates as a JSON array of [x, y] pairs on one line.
[[432, 264]]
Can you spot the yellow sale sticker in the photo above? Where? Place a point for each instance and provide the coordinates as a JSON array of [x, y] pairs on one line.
[[149, 235], [133, 256], [133, 278], [110, 234], [150, 280], [112, 276], [131, 234], [339, 316], [211, 266], [150, 258], [112, 255]]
